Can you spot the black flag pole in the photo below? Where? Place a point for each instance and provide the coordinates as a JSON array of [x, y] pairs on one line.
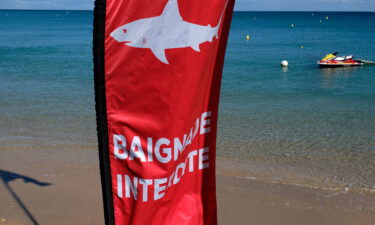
[[101, 110]]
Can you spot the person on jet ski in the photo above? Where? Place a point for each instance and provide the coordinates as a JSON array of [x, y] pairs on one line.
[[330, 56]]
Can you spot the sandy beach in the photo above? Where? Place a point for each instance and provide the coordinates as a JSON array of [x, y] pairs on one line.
[[63, 187]]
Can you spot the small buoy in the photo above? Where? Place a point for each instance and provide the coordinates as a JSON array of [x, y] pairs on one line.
[[284, 63], [247, 37], [321, 21], [327, 18], [312, 14], [292, 25], [302, 46]]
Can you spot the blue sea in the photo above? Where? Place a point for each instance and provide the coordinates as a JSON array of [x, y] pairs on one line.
[[300, 124]]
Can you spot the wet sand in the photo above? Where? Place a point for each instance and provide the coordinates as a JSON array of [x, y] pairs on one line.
[[63, 187]]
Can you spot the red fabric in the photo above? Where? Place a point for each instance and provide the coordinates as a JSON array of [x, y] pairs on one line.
[[147, 98], [333, 61]]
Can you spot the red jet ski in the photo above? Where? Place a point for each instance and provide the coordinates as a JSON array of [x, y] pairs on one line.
[[332, 60]]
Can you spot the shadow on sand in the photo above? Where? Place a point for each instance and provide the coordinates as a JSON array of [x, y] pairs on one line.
[[7, 177]]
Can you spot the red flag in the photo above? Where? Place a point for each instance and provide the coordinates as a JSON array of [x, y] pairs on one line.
[[158, 67]]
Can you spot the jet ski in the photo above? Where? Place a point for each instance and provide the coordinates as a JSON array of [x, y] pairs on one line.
[[332, 60]]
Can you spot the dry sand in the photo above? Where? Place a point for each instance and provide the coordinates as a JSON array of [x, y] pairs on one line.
[[64, 188]]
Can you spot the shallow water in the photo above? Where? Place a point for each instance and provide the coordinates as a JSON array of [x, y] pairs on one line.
[[301, 124], [46, 77]]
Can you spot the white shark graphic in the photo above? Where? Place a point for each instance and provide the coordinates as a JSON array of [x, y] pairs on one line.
[[166, 31]]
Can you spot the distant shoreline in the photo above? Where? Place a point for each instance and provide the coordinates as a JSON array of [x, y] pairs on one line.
[[260, 11]]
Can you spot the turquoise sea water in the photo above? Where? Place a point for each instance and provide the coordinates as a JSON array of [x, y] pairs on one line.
[[300, 125]]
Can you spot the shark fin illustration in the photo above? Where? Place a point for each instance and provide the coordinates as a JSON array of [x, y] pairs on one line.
[[196, 47], [171, 10], [160, 54]]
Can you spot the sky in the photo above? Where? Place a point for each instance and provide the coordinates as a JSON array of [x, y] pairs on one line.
[[244, 5]]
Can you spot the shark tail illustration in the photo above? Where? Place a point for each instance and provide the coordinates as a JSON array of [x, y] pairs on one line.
[[217, 27]]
